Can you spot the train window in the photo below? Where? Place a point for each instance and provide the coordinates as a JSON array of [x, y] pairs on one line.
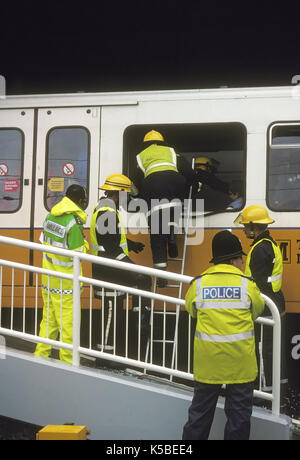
[[283, 181], [67, 161], [11, 169], [223, 143]]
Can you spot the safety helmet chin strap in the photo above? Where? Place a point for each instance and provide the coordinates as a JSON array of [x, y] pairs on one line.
[[251, 230]]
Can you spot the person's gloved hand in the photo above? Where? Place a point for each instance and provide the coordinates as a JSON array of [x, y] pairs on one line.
[[136, 246]]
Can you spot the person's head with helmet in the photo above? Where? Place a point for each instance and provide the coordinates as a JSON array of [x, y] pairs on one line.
[[227, 249], [206, 164], [153, 137], [116, 183], [255, 220]]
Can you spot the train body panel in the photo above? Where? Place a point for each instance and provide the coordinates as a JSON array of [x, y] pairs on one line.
[[50, 141]]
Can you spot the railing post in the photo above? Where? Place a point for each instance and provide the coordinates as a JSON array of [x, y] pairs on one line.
[[276, 368], [76, 310]]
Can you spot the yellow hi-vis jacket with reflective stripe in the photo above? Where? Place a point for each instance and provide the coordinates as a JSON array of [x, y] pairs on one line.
[[157, 158], [225, 303], [276, 277], [98, 249], [63, 229]]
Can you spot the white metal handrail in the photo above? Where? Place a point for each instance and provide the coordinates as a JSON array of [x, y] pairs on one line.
[[275, 322]]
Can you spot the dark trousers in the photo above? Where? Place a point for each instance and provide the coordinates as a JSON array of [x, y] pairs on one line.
[[238, 410]]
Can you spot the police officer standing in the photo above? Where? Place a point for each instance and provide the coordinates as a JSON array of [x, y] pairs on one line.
[[225, 303]]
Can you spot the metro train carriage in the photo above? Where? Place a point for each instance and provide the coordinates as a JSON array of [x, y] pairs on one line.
[[48, 142]]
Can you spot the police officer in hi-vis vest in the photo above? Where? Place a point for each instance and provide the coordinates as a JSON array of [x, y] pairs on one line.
[[225, 303], [264, 264], [108, 239]]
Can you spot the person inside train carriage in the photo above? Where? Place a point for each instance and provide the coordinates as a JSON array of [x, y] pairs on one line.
[[236, 194], [108, 239], [63, 228], [162, 177], [264, 264], [225, 304], [208, 187]]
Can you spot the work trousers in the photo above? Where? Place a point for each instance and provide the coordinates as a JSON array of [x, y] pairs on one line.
[[55, 327], [114, 314], [238, 410], [158, 188]]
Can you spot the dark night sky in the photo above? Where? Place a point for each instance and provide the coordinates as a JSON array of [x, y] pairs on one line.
[[135, 45]]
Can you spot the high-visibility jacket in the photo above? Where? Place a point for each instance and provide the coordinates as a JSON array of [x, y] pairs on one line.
[[63, 228], [157, 158], [96, 247], [225, 303], [276, 277]]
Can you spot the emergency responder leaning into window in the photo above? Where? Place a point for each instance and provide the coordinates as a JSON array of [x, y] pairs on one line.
[[264, 265], [163, 187], [108, 239], [63, 228], [225, 303], [208, 187]]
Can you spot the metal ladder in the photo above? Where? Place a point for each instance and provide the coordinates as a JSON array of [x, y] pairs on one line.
[[164, 313]]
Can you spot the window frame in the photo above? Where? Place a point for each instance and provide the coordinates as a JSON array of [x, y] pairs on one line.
[[161, 126], [58, 127], [22, 167], [277, 147]]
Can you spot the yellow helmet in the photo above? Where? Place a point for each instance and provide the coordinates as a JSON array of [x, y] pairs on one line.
[[254, 214], [205, 163], [153, 136], [117, 182]]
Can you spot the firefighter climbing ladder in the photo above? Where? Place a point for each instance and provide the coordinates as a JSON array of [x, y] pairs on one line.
[[164, 313]]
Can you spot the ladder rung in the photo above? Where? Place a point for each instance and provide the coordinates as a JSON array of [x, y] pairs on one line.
[[173, 285], [176, 259]]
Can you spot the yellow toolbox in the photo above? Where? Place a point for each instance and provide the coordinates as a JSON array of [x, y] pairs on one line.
[[62, 433]]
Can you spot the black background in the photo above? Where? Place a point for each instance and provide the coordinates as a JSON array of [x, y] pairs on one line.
[[142, 45]]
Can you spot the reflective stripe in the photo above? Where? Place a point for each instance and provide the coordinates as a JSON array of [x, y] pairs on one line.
[[58, 262], [121, 256], [58, 291], [274, 278], [167, 163], [138, 158], [224, 338], [223, 304], [159, 164], [161, 265], [54, 243], [97, 248], [159, 207]]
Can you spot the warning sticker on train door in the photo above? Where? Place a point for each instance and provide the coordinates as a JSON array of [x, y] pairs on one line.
[[3, 169], [56, 184], [68, 169]]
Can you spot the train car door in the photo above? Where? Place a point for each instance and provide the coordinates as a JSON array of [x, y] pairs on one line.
[[16, 161], [67, 153]]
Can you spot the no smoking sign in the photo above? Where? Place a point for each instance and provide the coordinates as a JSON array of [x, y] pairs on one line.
[[68, 169], [3, 169]]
